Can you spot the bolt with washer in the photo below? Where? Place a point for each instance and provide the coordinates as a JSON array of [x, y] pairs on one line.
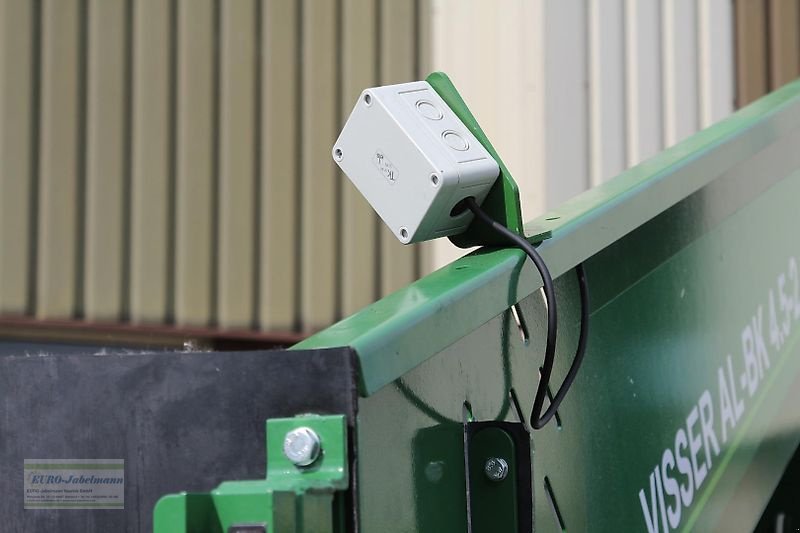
[[302, 446], [496, 468]]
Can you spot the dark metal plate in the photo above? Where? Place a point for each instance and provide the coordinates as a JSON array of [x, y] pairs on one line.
[[181, 421]]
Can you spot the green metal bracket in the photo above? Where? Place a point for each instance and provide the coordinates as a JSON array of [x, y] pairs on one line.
[[493, 500], [291, 499], [499, 489], [502, 203]]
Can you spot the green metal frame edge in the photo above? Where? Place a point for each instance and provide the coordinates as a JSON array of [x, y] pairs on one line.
[[397, 333]]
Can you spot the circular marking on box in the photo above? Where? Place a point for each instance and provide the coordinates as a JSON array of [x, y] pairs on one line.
[[455, 141], [429, 110]]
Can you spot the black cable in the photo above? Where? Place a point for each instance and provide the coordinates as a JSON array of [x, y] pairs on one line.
[[539, 420]]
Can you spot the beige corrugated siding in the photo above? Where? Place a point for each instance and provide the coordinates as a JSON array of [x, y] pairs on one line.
[[784, 41], [194, 163], [61, 165], [319, 122], [18, 139], [280, 211], [152, 161], [398, 63], [767, 46], [359, 234], [751, 50], [236, 188], [106, 158], [169, 161]]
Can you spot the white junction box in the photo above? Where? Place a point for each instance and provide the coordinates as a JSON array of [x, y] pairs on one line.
[[414, 161]]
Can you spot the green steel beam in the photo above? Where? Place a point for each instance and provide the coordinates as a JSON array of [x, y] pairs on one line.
[[398, 333]]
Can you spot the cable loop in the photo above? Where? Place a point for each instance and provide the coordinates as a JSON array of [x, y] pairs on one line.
[[537, 419]]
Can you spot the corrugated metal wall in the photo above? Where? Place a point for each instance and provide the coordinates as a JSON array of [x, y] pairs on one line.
[[767, 46], [572, 92], [579, 90], [167, 161]]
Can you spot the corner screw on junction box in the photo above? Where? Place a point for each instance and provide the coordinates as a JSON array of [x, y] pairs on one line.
[[302, 446], [496, 469]]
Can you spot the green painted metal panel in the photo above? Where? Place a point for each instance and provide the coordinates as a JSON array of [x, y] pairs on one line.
[[673, 347], [684, 414]]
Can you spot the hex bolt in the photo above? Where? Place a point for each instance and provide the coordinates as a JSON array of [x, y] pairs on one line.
[[496, 469], [302, 446]]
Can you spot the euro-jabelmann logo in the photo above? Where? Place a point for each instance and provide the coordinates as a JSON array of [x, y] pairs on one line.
[[74, 483], [49, 479]]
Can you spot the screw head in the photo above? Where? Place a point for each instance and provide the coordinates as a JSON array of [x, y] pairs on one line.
[[496, 469], [434, 471], [302, 446]]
